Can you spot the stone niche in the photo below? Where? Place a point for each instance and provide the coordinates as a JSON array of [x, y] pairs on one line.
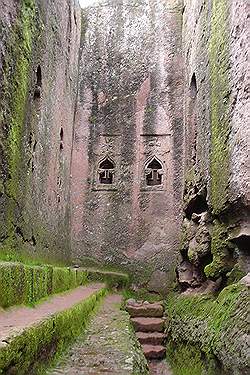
[[106, 163], [154, 161]]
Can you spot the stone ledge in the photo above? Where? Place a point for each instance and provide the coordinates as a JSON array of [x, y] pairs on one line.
[[46, 331]]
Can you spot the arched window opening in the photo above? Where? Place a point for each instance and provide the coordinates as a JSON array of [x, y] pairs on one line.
[[37, 92], [193, 87], [154, 173], [106, 172]]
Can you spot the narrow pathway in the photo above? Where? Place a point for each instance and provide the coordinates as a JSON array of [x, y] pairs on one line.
[[107, 347], [14, 320]]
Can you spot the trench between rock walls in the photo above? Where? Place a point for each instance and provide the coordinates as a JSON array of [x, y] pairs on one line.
[[198, 329]]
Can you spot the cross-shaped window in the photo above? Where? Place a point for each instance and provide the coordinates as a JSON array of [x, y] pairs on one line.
[[106, 172], [154, 173]]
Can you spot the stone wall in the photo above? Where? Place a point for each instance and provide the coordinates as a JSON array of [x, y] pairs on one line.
[[108, 85], [129, 111], [216, 194], [38, 79]]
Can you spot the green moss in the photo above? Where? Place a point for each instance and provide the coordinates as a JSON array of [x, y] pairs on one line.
[[81, 277], [20, 58], [12, 289], [235, 275], [15, 87], [28, 284], [141, 294], [184, 359], [10, 254], [30, 350], [210, 323], [220, 124], [24, 284], [220, 246], [204, 306], [63, 279], [112, 279]]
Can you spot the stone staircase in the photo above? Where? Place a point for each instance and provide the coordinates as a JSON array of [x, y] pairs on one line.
[[148, 322]]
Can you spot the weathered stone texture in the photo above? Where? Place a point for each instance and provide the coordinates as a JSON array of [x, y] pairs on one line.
[[39, 65], [239, 114], [129, 109], [216, 141], [214, 328], [118, 93]]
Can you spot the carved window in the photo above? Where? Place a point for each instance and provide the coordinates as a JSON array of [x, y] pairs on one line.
[[154, 173], [106, 172]]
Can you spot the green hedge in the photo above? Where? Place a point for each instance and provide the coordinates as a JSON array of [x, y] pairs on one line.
[[24, 284], [34, 348], [111, 279]]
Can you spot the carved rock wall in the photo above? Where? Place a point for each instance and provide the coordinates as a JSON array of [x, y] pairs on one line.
[[129, 110], [38, 78], [68, 104], [214, 46]]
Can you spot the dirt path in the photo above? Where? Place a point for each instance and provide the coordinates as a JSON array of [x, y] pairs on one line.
[[16, 319], [108, 346]]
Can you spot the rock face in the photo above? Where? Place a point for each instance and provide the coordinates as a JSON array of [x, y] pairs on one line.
[[39, 47], [96, 153], [210, 335], [216, 194], [129, 112]]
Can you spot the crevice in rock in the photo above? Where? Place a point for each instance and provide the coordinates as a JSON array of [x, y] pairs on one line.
[[196, 203], [61, 138], [38, 86], [19, 232]]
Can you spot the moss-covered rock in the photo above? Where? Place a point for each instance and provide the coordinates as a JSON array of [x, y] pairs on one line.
[[26, 284], [216, 326], [15, 91], [186, 359], [112, 279], [220, 90], [220, 249], [29, 351]]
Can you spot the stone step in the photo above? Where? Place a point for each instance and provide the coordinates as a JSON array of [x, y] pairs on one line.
[[154, 351], [153, 310], [151, 338], [148, 324]]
